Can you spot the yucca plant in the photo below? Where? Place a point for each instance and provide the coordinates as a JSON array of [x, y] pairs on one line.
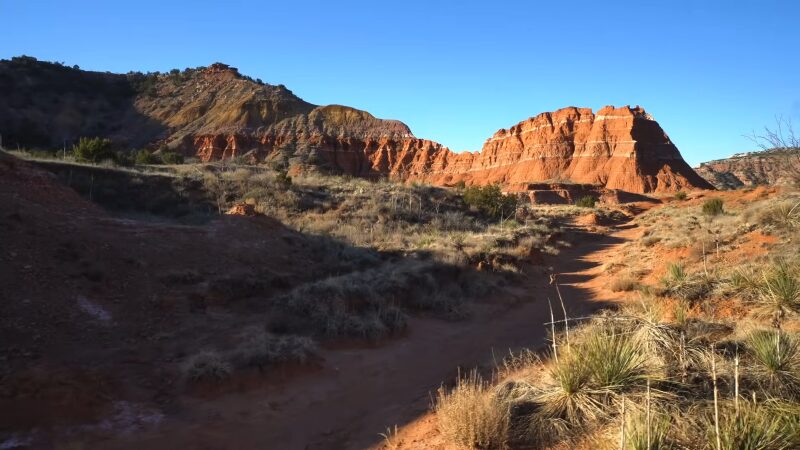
[[776, 361], [780, 292], [570, 397], [676, 273], [615, 362]]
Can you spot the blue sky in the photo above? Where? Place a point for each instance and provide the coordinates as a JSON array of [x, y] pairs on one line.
[[456, 71]]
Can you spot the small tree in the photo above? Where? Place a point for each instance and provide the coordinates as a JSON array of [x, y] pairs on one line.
[[93, 150], [680, 195]]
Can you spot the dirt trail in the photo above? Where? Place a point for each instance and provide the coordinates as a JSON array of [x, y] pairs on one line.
[[362, 391]]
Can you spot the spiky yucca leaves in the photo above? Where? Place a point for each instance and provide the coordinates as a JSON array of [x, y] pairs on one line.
[[780, 291], [471, 415], [615, 362], [676, 273], [570, 396], [766, 426], [776, 361]]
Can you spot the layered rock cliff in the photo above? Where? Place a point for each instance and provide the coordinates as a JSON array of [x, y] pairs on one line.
[[216, 113], [772, 167]]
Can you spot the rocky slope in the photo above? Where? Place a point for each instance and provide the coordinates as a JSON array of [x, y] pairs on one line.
[[771, 167], [216, 113]]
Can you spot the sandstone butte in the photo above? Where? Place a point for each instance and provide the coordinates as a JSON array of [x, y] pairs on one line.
[[617, 148]]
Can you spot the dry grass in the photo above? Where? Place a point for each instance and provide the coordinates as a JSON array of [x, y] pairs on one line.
[[471, 415], [624, 282], [672, 351]]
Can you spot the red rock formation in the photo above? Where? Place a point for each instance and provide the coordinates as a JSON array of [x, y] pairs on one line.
[[617, 148], [217, 113]]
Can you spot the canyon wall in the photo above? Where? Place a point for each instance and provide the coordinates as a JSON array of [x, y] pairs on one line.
[[618, 148]]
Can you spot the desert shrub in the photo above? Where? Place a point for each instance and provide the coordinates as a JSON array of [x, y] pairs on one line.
[[370, 303], [171, 157], [649, 241], [624, 282], [206, 366], [490, 200], [713, 207], [146, 157], [261, 349], [680, 195], [93, 149], [776, 361], [471, 415], [586, 202]]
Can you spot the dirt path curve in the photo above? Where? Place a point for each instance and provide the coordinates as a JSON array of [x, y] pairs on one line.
[[362, 391]]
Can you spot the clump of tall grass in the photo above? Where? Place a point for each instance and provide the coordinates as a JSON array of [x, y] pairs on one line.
[[776, 361], [471, 415]]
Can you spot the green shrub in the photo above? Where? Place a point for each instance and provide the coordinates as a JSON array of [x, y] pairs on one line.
[[713, 207], [586, 201], [93, 150], [171, 158], [680, 195], [490, 200], [146, 157]]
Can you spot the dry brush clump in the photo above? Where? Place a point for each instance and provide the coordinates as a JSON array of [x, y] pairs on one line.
[[374, 303], [255, 349]]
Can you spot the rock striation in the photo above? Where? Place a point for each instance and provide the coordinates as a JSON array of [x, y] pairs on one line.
[[215, 113]]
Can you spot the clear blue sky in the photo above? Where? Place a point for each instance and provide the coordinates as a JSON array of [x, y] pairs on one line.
[[456, 71]]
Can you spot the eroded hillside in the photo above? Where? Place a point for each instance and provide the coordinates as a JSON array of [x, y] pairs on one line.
[[217, 113]]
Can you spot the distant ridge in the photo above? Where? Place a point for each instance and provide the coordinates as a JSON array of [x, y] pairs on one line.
[[217, 113]]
